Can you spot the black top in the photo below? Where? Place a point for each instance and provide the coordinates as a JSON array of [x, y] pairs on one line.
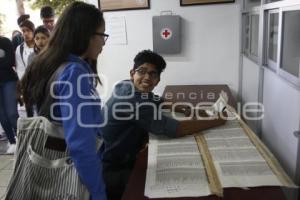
[[7, 61], [17, 40], [130, 115]]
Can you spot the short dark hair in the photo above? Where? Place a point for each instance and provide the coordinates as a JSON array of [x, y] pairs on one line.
[[27, 23], [22, 18], [148, 56], [47, 12], [41, 29]]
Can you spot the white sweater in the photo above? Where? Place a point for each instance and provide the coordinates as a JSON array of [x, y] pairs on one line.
[[22, 64]]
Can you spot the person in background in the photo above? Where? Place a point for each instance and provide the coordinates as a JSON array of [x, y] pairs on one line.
[[22, 18], [15, 33], [26, 48], [47, 15], [41, 37], [21, 56], [17, 37], [8, 96], [77, 39], [2, 135]]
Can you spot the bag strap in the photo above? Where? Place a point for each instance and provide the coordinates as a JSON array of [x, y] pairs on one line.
[[21, 53], [44, 110]]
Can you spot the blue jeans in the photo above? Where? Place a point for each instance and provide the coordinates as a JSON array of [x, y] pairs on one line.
[[8, 109]]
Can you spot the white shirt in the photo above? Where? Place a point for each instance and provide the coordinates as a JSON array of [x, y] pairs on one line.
[[20, 65]]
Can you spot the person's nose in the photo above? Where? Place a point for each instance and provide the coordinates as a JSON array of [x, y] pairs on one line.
[[147, 76]]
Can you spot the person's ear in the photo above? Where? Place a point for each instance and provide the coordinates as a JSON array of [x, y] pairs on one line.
[[131, 74]]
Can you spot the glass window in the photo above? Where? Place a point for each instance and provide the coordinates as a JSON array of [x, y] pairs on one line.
[[252, 3], [290, 61], [246, 33], [254, 35], [273, 36]]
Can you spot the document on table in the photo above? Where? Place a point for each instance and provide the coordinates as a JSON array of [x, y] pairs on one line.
[[175, 169], [236, 159], [231, 156]]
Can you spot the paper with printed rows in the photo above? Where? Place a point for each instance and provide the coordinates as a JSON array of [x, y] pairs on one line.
[[176, 167]]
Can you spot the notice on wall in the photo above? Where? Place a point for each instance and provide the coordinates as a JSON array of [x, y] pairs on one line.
[[116, 28]]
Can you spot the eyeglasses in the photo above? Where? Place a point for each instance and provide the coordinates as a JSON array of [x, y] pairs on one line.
[[143, 72], [104, 35], [46, 21]]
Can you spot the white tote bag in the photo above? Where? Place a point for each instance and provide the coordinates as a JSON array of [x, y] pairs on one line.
[[43, 169]]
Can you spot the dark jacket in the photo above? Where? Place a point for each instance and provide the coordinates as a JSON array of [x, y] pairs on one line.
[[130, 116], [7, 61]]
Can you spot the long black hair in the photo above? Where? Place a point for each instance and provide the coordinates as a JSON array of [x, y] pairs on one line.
[[71, 34]]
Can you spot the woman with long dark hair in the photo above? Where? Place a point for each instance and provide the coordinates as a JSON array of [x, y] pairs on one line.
[[69, 59], [41, 37]]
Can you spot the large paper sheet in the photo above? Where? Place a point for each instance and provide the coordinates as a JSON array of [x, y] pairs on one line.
[[236, 159], [175, 169]]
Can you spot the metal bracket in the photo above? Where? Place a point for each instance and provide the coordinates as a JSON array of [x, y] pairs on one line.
[[297, 134], [166, 12]]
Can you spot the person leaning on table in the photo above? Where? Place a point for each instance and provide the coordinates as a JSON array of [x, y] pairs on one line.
[[125, 132]]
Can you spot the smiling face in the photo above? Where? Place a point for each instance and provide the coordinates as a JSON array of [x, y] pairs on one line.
[[96, 44], [145, 77]]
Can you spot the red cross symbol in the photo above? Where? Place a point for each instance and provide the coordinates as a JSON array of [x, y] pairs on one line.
[[166, 33]]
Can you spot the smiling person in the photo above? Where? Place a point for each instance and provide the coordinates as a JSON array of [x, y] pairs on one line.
[[132, 112], [70, 60]]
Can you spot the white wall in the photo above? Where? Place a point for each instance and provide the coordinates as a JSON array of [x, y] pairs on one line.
[[281, 112], [210, 45], [250, 84], [250, 80], [281, 119]]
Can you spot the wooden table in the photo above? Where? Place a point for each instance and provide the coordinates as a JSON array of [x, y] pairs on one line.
[[136, 187], [195, 94]]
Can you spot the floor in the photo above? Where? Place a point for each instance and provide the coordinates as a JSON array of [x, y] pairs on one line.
[[6, 162], [6, 167]]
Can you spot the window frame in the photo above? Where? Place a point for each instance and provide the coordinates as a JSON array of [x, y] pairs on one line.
[[268, 1], [273, 65], [281, 72], [247, 6], [253, 56], [246, 38], [247, 52]]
